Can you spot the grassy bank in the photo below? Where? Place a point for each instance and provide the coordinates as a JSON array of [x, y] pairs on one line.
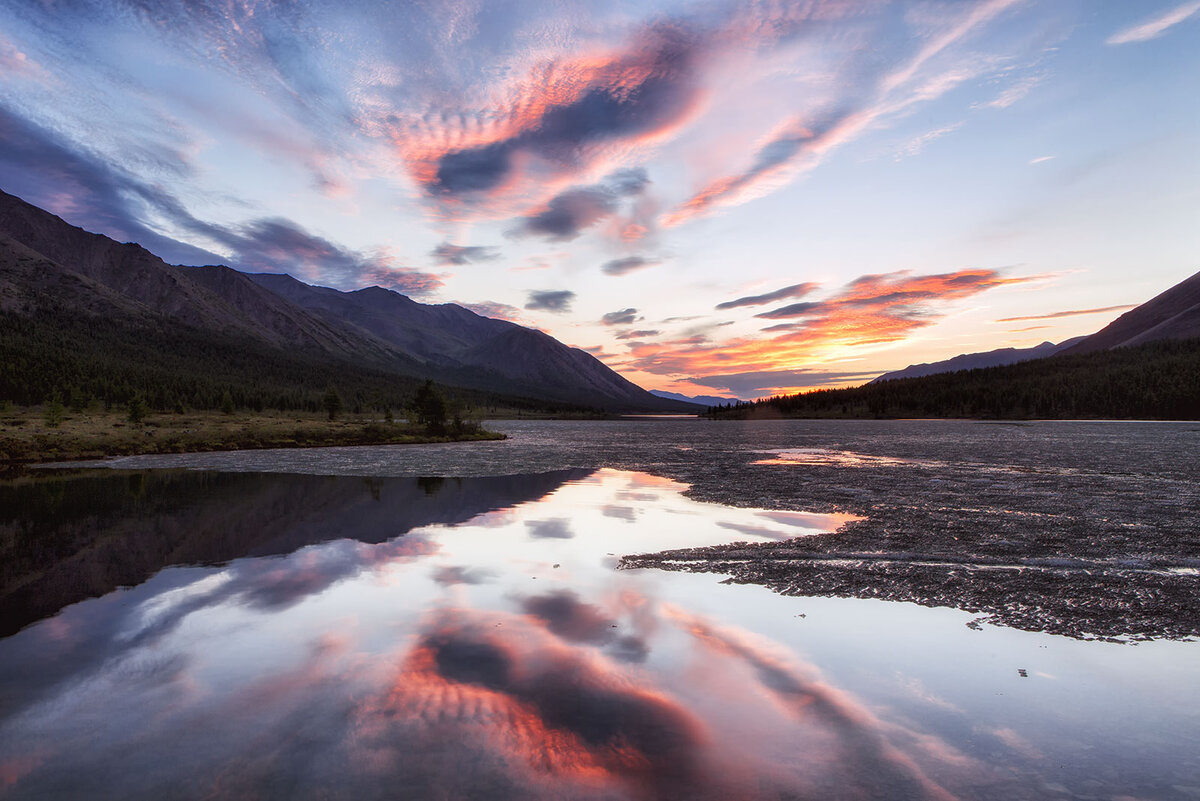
[[27, 437]]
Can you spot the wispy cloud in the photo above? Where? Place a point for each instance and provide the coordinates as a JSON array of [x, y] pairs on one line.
[[793, 291], [915, 145], [1041, 159], [641, 333], [802, 143], [1013, 93], [1156, 26], [1071, 313]]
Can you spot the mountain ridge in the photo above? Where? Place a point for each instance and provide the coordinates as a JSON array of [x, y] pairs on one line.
[[51, 267], [975, 361], [1173, 314]]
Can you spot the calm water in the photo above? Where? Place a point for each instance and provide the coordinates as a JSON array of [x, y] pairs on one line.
[[330, 624]]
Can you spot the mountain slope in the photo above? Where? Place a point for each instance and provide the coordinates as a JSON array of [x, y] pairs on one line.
[[1174, 314], [465, 348], [67, 290], [213, 299], [975, 361]]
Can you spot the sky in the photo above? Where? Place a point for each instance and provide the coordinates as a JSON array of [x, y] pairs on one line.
[[735, 199]]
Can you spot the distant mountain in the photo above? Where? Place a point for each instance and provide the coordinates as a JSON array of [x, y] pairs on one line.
[[975, 361], [702, 400], [1144, 365], [1175, 314], [1152, 381], [72, 294]]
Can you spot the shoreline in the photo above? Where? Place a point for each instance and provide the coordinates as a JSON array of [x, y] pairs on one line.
[[26, 441]]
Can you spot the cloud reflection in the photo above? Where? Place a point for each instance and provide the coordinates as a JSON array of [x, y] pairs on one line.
[[422, 666]]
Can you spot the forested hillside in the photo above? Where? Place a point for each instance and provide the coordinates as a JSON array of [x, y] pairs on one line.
[[82, 360], [1156, 381]]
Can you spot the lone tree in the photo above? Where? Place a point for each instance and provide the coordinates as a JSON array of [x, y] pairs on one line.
[[428, 408], [227, 406], [53, 413], [332, 403], [137, 410]]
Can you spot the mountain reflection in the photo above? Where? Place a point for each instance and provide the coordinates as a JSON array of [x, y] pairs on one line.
[[82, 536], [411, 639]]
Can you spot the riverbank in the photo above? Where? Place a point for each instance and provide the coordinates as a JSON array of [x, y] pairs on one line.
[[25, 437]]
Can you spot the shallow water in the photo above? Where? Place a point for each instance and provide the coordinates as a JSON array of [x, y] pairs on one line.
[[194, 634]]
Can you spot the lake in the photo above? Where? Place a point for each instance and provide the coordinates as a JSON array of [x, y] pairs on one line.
[[814, 609]]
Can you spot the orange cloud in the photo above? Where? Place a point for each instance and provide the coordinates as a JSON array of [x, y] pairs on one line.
[[569, 117], [872, 309]]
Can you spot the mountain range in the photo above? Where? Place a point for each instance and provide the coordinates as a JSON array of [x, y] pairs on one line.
[[703, 400], [59, 283], [1173, 314], [975, 361]]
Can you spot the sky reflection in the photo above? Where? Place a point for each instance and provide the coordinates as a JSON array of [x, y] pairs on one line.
[[480, 658]]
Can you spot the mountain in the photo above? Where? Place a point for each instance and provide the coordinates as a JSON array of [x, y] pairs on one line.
[[701, 400], [1153, 381], [465, 348], [1144, 365], [1175, 314], [975, 361], [84, 310]]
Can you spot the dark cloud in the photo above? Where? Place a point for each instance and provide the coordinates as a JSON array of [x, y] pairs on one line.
[[622, 317], [756, 384], [620, 512], [567, 214], [557, 528], [647, 89], [448, 576], [627, 265], [639, 334], [447, 253], [794, 310], [567, 693], [793, 291], [571, 619], [550, 300]]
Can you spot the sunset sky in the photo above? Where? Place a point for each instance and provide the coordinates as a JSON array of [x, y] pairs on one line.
[[714, 198]]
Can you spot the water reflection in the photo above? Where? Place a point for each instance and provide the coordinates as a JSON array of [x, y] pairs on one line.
[[320, 638], [81, 536]]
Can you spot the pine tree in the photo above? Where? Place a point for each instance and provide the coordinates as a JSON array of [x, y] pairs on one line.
[[332, 402]]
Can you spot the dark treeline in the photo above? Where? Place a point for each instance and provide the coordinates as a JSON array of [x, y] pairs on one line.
[[82, 360], [1159, 380]]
